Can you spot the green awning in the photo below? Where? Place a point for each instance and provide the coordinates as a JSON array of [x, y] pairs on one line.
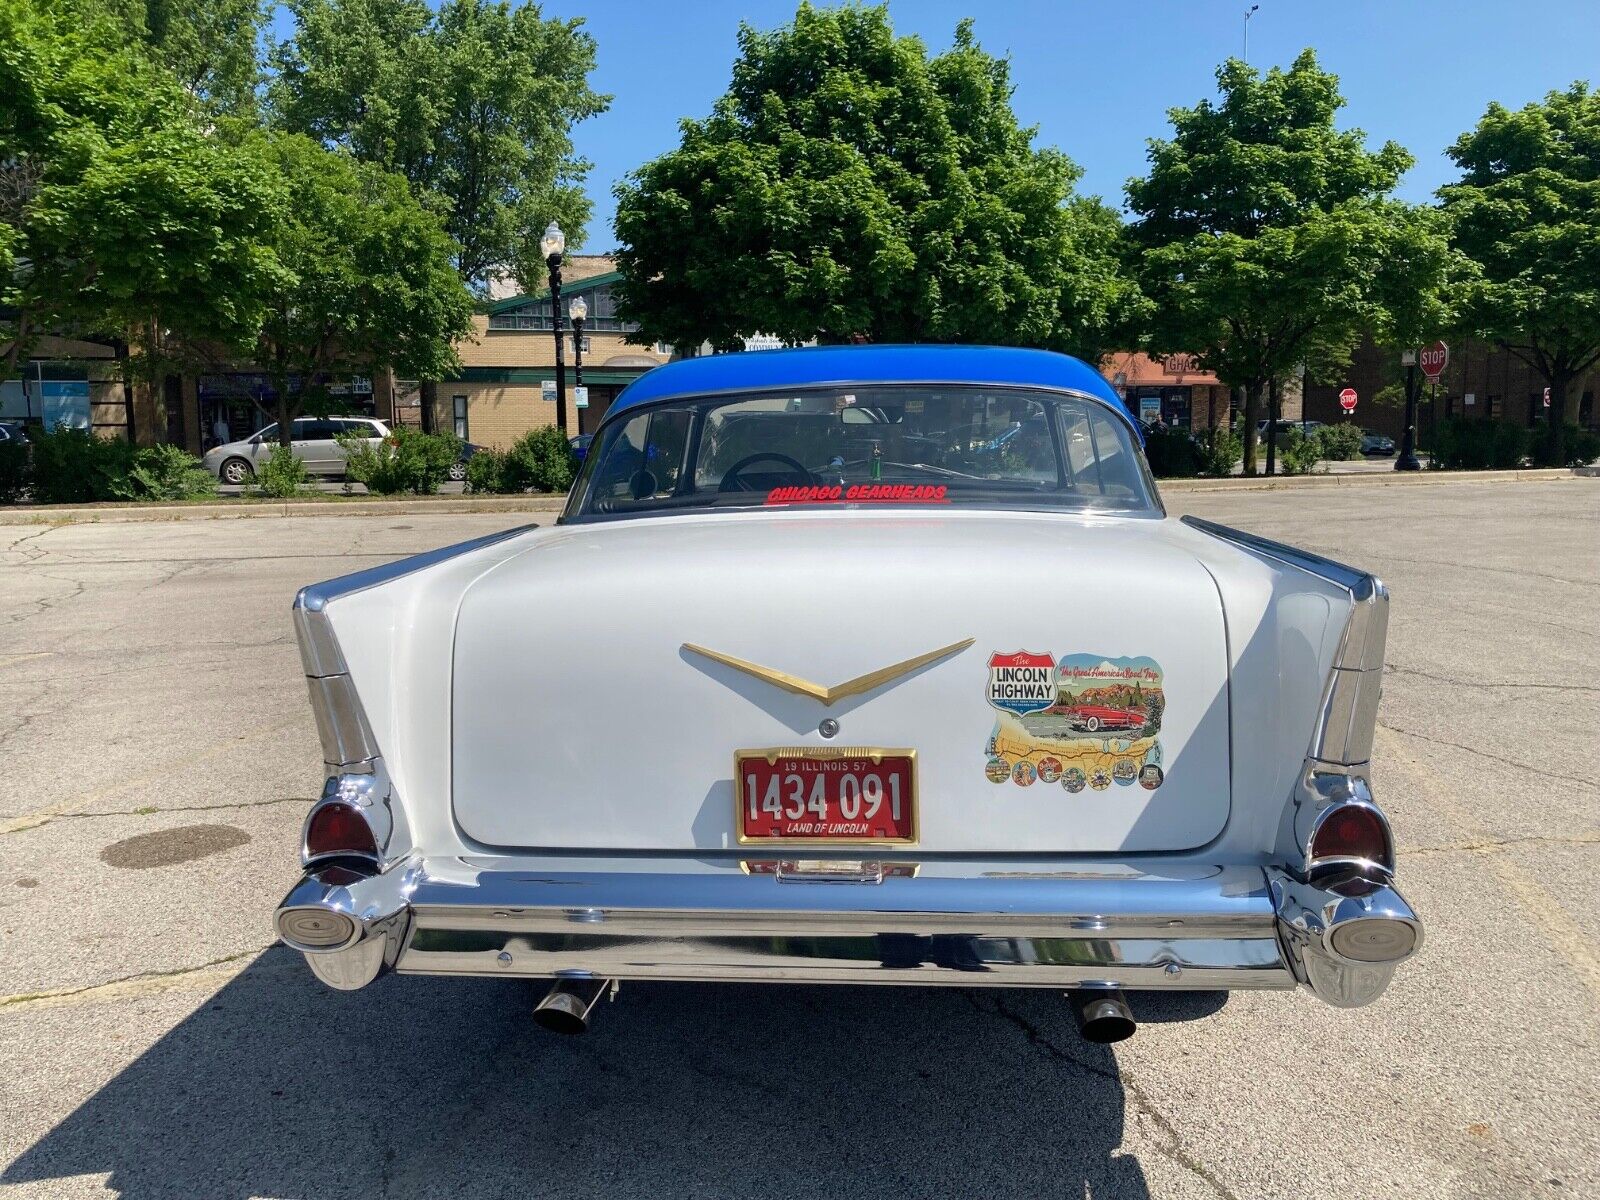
[[534, 376]]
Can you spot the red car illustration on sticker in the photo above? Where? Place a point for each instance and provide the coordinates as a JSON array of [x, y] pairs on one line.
[[1095, 717]]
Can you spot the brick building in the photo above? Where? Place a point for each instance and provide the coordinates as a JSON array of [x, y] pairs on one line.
[[1481, 382], [506, 385], [1173, 390]]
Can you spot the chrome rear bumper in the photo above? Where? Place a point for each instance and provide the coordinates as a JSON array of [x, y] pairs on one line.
[[1209, 928]]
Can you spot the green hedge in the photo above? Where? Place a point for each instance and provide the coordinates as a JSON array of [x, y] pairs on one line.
[[408, 460], [1463, 444], [540, 459]]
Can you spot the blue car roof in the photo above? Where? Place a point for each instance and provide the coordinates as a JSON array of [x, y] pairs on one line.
[[824, 365]]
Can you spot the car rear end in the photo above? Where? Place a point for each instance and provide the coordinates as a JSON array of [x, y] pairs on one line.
[[663, 750]]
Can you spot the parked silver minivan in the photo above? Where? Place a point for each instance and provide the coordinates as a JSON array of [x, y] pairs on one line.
[[313, 443]]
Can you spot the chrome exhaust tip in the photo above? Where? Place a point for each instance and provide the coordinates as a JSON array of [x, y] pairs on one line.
[[1103, 1015], [567, 1005]]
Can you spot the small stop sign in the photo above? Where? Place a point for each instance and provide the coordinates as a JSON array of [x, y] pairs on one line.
[[1347, 400], [1433, 359]]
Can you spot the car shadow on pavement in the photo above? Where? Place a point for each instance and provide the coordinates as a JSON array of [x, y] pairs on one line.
[[277, 1086]]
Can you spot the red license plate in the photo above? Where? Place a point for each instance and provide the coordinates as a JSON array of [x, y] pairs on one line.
[[838, 796]]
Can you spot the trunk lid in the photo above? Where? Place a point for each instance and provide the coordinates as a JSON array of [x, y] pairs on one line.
[[1089, 714]]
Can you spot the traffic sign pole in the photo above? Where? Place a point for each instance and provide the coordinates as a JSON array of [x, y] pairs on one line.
[[1433, 360], [1407, 460]]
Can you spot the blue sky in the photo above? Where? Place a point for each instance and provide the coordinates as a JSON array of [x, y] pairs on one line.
[[1097, 78]]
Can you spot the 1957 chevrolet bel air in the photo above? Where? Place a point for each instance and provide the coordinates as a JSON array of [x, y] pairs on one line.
[[798, 690]]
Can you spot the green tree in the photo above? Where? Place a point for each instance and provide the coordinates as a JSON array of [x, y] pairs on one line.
[[121, 210], [848, 185], [1527, 212], [1267, 238], [474, 105], [209, 46], [368, 274]]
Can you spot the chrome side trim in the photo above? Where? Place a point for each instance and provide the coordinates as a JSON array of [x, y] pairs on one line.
[[1350, 578], [347, 739], [315, 597], [1350, 697]]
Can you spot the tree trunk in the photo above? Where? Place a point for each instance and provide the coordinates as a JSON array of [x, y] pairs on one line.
[[1252, 414], [430, 397], [1274, 408], [1555, 418], [280, 384]]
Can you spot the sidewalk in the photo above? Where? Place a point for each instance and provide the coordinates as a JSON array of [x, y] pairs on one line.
[[360, 506]]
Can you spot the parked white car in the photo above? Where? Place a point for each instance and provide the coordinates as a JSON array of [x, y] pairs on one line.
[[313, 441], [854, 665]]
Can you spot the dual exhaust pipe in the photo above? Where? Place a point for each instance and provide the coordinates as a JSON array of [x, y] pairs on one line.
[[1102, 1014]]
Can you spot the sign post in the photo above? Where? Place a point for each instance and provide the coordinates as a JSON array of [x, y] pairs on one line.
[[1433, 360]]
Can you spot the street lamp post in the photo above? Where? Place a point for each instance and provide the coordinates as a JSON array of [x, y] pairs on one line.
[[1248, 13], [578, 310], [553, 245], [1406, 460]]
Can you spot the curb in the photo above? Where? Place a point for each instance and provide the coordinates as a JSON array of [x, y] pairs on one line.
[[67, 514], [1261, 483]]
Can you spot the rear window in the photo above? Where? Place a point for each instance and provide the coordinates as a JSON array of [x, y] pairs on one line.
[[905, 444]]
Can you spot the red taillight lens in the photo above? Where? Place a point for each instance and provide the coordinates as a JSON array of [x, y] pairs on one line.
[[1352, 831], [339, 829]]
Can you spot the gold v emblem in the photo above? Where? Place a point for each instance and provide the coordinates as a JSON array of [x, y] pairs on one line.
[[850, 687]]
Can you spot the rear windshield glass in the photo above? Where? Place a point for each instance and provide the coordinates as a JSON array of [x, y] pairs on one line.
[[904, 444]]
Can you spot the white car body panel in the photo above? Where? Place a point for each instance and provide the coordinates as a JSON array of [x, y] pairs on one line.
[[475, 639]]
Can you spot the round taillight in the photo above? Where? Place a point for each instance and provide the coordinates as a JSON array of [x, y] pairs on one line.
[[315, 928], [339, 829], [1352, 831]]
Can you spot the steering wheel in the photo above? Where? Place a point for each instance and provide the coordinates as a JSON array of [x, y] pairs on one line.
[[732, 483]]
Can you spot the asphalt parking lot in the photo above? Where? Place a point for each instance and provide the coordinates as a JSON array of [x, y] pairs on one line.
[[157, 757]]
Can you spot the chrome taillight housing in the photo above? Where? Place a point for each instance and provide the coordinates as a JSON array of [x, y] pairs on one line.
[[336, 828], [1354, 833]]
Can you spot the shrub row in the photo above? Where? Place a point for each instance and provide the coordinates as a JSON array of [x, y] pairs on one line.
[[408, 460], [1461, 444], [72, 466], [540, 459]]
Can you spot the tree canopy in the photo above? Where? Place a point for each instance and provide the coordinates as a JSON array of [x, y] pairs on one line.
[[1268, 239], [1527, 211], [367, 274], [120, 211], [849, 185], [208, 46], [473, 104]]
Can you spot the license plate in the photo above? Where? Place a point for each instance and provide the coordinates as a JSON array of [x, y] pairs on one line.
[[844, 796]]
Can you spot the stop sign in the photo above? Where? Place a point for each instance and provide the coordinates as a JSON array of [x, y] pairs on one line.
[[1433, 359], [1347, 400]]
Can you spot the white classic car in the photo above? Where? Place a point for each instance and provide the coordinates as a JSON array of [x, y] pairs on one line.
[[854, 665]]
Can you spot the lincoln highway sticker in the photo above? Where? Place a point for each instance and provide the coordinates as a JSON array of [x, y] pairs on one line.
[[1077, 718]]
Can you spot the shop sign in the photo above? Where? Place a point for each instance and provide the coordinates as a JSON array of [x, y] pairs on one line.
[[1150, 409], [1179, 365]]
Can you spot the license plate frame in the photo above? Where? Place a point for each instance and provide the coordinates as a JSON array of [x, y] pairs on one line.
[[876, 755]]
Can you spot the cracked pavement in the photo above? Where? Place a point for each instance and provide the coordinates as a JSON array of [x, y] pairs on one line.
[[154, 1042]]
